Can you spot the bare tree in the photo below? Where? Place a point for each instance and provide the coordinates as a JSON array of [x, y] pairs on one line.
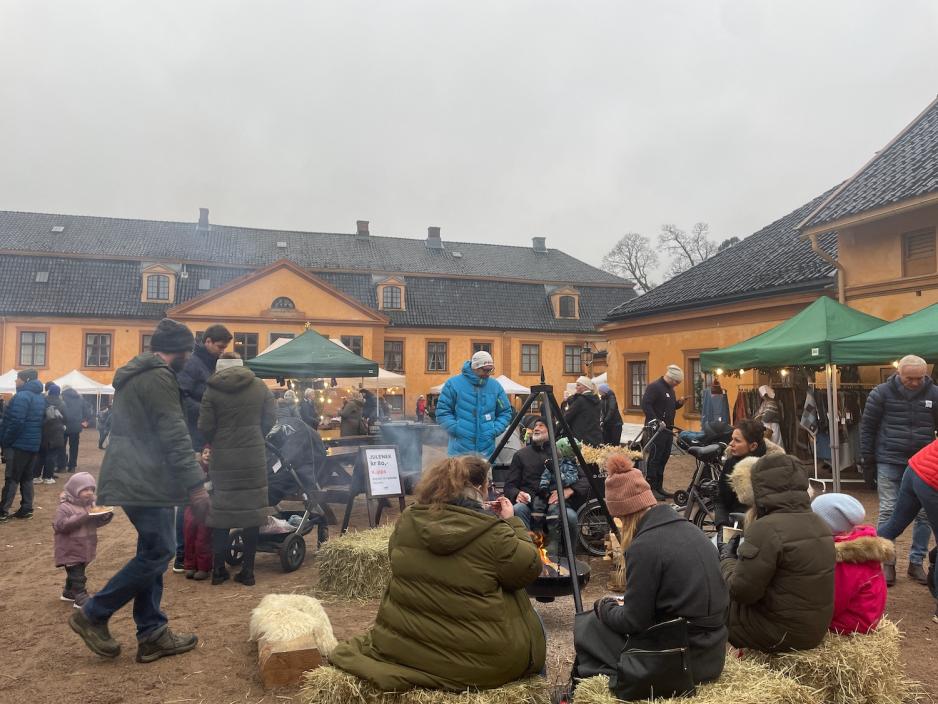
[[728, 242], [632, 257], [688, 249]]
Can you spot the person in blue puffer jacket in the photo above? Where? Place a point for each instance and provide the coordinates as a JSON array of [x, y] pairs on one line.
[[473, 408], [20, 437]]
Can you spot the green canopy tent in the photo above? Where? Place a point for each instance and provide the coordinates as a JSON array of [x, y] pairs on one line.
[[803, 340], [913, 334], [311, 355]]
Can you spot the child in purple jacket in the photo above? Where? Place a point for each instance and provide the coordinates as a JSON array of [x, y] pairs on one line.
[[76, 534]]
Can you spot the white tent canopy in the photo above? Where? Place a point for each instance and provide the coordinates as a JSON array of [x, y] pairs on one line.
[[510, 387], [279, 342], [8, 382], [384, 380], [601, 379], [83, 384]]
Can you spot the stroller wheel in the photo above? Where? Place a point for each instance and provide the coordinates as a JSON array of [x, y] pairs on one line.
[[592, 528], [292, 552], [681, 497], [235, 554]]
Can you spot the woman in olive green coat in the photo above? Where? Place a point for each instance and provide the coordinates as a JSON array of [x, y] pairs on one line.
[[236, 413], [455, 613]]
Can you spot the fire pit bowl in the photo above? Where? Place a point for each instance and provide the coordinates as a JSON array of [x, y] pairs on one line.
[[552, 583]]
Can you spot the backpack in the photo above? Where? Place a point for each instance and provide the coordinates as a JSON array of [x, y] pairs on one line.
[[53, 413]]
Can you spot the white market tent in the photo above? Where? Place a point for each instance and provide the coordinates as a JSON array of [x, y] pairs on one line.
[[601, 379], [384, 380], [83, 384], [510, 387], [8, 382], [279, 342]]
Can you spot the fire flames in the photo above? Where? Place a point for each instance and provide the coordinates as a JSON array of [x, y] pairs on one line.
[[549, 567]]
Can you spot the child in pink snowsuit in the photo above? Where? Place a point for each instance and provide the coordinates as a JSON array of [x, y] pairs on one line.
[[859, 584], [76, 534], [198, 536]]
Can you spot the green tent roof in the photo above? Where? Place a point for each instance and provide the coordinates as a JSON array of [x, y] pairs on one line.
[[914, 334], [311, 355], [804, 340]]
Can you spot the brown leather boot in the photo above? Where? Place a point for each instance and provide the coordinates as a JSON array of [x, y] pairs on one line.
[[889, 572], [917, 573]]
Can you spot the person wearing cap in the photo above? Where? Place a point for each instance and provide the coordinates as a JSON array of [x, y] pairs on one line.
[[473, 408], [781, 578], [859, 584], [21, 437], [584, 412], [610, 418], [52, 449], [660, 403], [148, 469], [898, 420], [673, 572]]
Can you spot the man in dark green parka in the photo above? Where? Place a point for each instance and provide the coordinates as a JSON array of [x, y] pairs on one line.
[[148, 468], [781, 578]]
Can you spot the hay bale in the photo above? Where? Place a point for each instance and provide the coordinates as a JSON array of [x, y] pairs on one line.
[[850, 669], [355, 565], [284, 617], [329, 685], [742, 682]]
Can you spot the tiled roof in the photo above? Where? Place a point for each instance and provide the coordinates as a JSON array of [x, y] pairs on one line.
[[250, 247], [82, 287], [773, 260], [905, 168]]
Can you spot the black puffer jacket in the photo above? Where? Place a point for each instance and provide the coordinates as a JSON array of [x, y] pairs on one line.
[[659, 402], [896, 422], [583, 412], [612, 419], [192, 380], [674, 571], [525, 472]]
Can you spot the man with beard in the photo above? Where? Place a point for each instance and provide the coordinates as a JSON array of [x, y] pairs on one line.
[[524, 479]]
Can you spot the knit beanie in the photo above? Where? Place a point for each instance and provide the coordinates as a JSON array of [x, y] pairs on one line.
[[28, 374], [841, 512], [604, 388], [229, 362], [587, 382], [481, 359], [674, 373], [289, 395], [53, 389], [627, 492], [171, 336]]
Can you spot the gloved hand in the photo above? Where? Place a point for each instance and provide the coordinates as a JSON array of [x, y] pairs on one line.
[[199, 502], [730, 548], [600, 604]]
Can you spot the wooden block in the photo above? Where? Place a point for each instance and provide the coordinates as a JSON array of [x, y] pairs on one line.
[[284, 662]]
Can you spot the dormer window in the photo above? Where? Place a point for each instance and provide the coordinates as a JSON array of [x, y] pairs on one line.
[[158, 284], [391, 294], [567, 305], [565, 302], [157, 287], [282, 303]]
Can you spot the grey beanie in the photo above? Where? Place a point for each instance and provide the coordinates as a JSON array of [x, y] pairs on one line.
[[841, 512]]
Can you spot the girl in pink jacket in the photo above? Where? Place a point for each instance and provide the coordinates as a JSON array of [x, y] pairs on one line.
[[76, 534], [859, 584]]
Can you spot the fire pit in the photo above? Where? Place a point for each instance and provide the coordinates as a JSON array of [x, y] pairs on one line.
[[555, 578]]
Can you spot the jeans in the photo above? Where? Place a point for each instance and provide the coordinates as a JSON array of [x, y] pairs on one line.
[[73, 440], [141, 579], [888, 479], [554, 539], [18, 473], [914, 495], [659, 452]]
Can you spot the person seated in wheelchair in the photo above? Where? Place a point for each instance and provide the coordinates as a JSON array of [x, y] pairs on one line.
[[747, 445], [523, 486]]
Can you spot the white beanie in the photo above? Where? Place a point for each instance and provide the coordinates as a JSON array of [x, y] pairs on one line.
[[674, 373], [841, 512], [482, 359], [587, 382], [223, 364], [289, 395]]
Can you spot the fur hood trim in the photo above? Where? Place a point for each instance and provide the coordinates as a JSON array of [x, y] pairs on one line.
[[772, 449], [741, 479], [865, 549]]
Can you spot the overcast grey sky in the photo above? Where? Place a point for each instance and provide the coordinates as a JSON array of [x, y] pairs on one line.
[[497, 121]]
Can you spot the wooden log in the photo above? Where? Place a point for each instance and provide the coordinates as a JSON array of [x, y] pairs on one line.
[[284, 662]]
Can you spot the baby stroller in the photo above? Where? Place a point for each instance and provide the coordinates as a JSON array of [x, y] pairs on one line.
[[290, 544]]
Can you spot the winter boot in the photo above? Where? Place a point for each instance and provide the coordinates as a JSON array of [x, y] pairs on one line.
[[96, 636], [889, 572], [220, 575], [245, 578], [917, 573], [164, 644], [201, 575]]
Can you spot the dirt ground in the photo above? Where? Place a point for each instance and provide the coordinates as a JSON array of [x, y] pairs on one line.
[[45, 662]]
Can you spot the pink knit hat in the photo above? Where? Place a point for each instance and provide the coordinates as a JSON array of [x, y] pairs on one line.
[[627, 491]]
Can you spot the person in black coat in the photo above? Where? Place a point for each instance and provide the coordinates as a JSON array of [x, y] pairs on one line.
[[660, 403], [611, 418], [583, 413], [748, 440], [309, 411], [193, 377], [76, 419], [673, 572], [523, 482]]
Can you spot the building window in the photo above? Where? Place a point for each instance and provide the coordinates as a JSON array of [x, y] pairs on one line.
[[274, 336], [246, 344], [701, 384], [436, 356], [394, 355], [354, 343], [481, 347], [918, 253], [637, 381], [391, 297], [158, 287], [530, 359], [33, 348], [567, 307], [145, 343], [282, 303], [571, 360], [97, 349]]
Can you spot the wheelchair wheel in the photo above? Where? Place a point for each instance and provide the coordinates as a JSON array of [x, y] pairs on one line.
[[592, 528], [235, 553], [703, 519]]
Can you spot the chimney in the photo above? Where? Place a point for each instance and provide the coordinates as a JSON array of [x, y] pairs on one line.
[[539, 244], [362, 228], [433, 238], [203, 218]]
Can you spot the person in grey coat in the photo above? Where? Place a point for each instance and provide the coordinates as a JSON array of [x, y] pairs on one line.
[[897, 422]]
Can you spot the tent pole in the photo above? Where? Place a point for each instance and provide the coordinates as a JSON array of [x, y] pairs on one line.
[[832, 423]]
